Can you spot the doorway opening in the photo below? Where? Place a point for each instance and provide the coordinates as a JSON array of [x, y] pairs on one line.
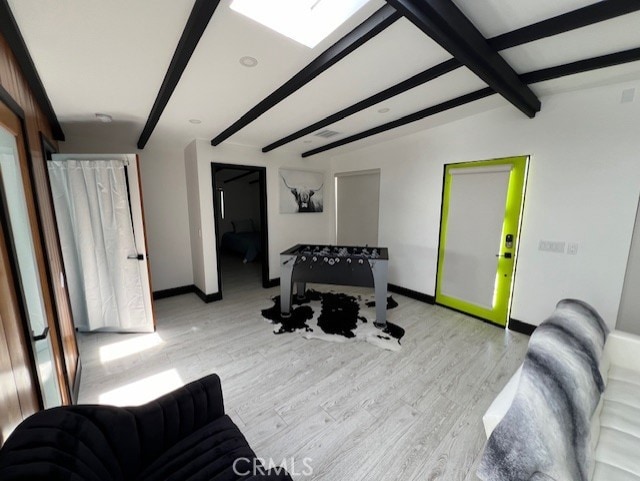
[[240, 217], [103, 241], [482, 205], [357, 207]]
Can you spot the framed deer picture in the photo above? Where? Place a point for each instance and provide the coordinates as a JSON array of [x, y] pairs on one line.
[[301, 191]]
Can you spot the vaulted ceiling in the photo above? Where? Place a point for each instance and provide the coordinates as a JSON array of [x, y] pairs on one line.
[[111, 57]]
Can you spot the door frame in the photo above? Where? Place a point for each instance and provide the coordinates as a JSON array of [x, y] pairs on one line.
[[48, 149], [516, 193], [131, 165], [264, 224], [25, 335], [354, 173]]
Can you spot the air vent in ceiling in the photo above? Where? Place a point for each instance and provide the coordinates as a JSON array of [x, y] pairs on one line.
[[326, 133]]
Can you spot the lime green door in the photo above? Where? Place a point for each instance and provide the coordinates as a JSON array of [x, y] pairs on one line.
[[481, 211]]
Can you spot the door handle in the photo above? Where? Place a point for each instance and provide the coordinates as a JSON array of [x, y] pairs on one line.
[[506, 255], [136, 257], [42, 336]]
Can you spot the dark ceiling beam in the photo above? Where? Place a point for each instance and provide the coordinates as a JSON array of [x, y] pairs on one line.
[[581, 17], [580, 66], [199, 18], [238, 177], [449, 104], [11, 33], [443, 21], [364, 32], [419, 79], [536, 76]]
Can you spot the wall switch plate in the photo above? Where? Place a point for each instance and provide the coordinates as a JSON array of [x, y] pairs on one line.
[[572, 248], [552, 246]]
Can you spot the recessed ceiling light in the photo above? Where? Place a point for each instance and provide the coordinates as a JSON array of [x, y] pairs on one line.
[[305, 21], [104, 118], [248, 61], [383, 110], [195, 121]]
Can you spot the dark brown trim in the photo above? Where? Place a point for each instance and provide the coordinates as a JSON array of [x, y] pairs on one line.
[[9, 101], [174, 291], [364, 32], [207, 298], [582, 17], [521, 327], [10, 31], [272, 283], [190, 289], [443, 21], [418, 296], [199, 18]]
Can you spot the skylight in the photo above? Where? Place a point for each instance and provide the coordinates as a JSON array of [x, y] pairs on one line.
[[305, 21]]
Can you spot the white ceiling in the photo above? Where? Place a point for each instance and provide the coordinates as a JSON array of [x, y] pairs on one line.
[[111, 57]]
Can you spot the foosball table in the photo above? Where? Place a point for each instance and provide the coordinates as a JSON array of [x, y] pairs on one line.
[[342, 265]]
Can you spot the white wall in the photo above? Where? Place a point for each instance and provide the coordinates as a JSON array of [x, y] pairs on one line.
[[285, 230], [193, 204], [163, 187], [583, 186]]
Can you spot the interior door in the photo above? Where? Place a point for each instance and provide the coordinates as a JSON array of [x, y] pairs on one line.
[[19, 392], [134, 273], [23, 303], [357, 208], [482, 205]]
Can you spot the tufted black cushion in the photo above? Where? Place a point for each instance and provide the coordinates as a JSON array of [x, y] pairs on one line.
[[181, 436]]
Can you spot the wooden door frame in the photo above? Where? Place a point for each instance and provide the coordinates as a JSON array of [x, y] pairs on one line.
[[264, 224], [48, 148], [44, 267], [25, 343], [146, 241]]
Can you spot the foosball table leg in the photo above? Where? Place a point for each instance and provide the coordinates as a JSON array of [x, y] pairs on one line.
[[286, 273], [379, 270], [301, 288]]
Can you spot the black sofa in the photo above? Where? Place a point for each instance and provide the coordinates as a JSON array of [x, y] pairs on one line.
[[184, 435]]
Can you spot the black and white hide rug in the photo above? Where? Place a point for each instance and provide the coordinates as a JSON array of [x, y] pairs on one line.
[[335, 317]]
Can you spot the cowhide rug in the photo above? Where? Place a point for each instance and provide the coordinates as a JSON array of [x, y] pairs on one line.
[[336, 317]]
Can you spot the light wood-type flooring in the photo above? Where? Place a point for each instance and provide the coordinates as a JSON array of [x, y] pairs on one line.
[[354, 411]]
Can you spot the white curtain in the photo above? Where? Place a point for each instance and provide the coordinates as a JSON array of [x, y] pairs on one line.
[[96, 233]]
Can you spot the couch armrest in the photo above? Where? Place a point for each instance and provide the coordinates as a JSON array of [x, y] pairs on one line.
[[167, 420], [501, 404], [623, 350]]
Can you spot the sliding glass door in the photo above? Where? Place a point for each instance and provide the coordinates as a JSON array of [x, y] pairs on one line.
[[15, 217]]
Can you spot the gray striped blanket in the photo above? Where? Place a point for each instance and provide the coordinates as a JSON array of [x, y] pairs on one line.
[[545, 434]]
